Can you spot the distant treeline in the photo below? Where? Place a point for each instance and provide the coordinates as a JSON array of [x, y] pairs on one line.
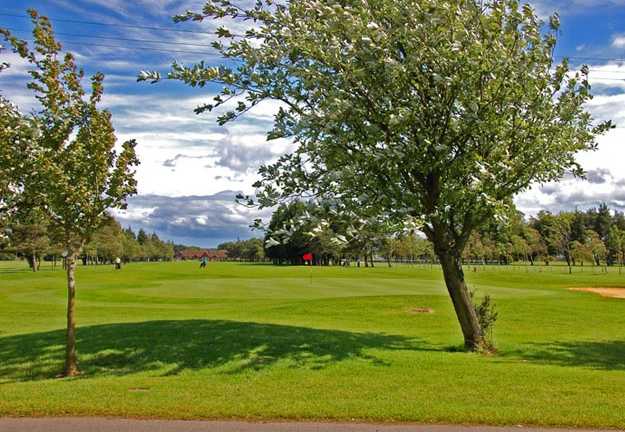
[[244, 250], [34, 240], [595, 237]]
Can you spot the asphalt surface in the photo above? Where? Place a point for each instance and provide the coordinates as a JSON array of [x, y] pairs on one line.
[[97, 424]]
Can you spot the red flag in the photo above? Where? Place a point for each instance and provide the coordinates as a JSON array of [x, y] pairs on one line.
[[308, 256]]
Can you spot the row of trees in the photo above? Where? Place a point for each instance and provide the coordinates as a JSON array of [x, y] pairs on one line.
[[244, 250], [40, 239], [111, 241], [596, 236]]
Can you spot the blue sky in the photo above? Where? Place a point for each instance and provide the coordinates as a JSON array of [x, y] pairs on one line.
[[192, 168]]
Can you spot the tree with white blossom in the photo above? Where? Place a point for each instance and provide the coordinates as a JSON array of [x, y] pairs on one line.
[[437, 111]]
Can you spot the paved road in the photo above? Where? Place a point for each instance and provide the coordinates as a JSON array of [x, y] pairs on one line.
[[96, 424]]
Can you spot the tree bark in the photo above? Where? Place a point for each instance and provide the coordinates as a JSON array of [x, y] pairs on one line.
[[457, 288], [71, 361], [32, 262]]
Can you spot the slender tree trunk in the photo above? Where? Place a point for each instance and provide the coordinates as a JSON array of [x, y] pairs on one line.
[[459, 293], [31, 262], [71, 362]]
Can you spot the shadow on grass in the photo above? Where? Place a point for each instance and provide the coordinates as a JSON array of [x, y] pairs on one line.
[[175, 346], [606, 355]]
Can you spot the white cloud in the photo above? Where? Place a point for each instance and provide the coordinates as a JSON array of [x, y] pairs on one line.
[[618, 41], [18, 66], [605, 181]]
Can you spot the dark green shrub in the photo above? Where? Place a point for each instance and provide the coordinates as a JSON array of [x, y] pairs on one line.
[[487, 315]]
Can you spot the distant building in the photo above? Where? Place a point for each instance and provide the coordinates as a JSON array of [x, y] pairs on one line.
[[196, 254]]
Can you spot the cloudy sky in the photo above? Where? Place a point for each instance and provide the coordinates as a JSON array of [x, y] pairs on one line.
[[191, 168]]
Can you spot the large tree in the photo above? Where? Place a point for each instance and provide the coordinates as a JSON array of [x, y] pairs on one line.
[[434, 110], [70, 169]]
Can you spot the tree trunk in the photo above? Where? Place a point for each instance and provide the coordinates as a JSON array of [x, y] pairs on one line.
[[568, 262], [31, 262], [459, 293], [71, 362]]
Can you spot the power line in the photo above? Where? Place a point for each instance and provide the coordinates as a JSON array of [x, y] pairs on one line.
[[115, 38], [15, 15], [131, 47], [138, 48], [593, 58], [74, 21], [207, 46], [135, 48], [161, 50]]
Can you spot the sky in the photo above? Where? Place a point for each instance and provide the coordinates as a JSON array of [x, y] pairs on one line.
[[191, 168]]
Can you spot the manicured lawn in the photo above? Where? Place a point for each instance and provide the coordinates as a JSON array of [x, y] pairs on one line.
[[260, 342]]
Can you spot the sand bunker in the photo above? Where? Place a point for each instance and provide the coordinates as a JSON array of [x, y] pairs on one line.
[[604, 292]]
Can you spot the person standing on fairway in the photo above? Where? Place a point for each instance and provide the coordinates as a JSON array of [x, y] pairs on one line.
[[118, 263], [203, 261]]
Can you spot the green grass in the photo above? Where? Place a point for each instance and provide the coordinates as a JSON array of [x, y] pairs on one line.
[[265, 342]]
